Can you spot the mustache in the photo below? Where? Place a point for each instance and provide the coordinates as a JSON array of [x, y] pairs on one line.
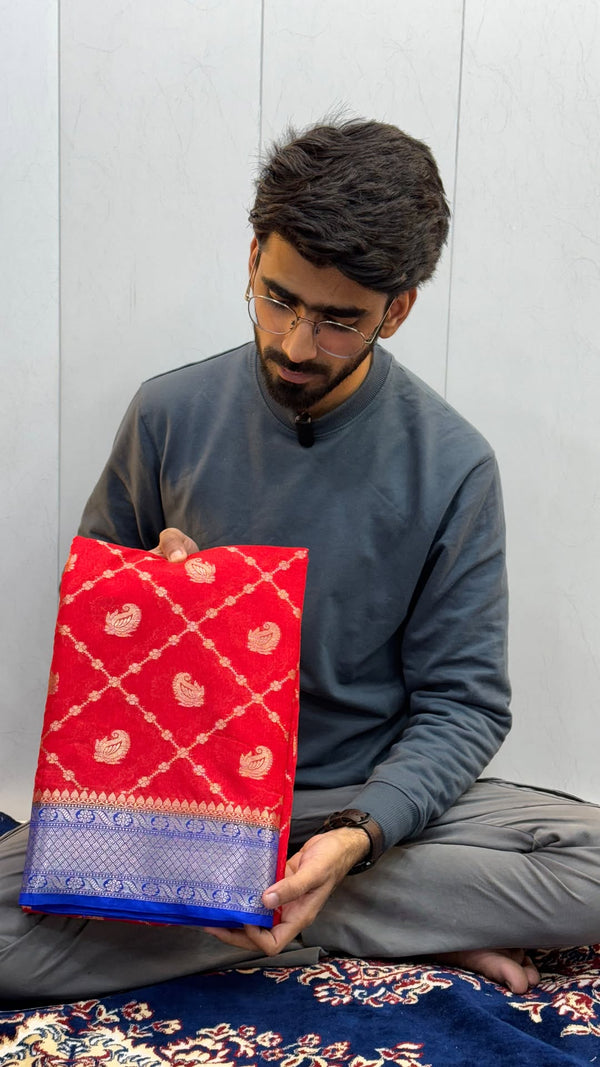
[[310, 367]]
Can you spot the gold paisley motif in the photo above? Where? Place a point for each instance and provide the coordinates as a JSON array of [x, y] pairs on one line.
[[123, 623], [198, 570], [112, 749], [53, 683], [264, 639], [187, 692], [72, 560], [256, 764]]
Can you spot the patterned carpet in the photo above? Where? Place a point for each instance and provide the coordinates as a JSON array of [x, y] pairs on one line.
[[339, 1013]]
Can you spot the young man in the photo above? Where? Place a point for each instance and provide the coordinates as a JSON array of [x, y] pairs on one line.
[[313, 435]]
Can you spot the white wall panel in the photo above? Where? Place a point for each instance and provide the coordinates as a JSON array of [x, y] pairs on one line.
[[160, 116], [524, 350], [29, 395], [162, 113], [391, 60]]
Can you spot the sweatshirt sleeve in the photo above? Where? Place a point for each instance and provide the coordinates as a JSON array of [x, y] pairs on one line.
[[125, 507], [454, 659]]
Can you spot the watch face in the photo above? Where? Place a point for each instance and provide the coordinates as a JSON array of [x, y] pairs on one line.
[[349, 817], [361, 820], [355, 815]]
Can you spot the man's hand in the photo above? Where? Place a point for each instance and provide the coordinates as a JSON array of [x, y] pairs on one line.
[[311, 876], [174, 545]]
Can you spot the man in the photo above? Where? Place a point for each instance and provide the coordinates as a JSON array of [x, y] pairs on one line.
[[315, 436]]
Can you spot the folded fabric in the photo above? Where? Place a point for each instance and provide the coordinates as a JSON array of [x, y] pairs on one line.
[[164, 784]]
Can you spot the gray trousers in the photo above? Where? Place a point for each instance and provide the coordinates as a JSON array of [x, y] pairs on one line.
[[506, 866]]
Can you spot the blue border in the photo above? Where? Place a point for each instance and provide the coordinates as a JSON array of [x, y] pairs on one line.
[[186, 915], [113, 862]]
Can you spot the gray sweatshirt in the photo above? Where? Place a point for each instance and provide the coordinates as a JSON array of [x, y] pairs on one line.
[[404, 691]]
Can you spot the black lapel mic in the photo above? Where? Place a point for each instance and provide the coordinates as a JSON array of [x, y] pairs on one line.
[[305, 430]]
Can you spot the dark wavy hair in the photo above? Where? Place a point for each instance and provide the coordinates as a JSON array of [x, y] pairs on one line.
[[361, 196]]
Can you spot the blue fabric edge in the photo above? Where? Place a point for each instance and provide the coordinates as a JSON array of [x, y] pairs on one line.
[[131, 909]]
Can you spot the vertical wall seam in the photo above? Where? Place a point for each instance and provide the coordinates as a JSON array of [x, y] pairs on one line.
[[260, 76], [454, 193], [59, 290]]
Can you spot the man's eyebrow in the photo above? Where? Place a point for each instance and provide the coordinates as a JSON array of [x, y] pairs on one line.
[[328, 310]]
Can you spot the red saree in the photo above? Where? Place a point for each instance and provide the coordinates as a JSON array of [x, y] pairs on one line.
[[164, 785]]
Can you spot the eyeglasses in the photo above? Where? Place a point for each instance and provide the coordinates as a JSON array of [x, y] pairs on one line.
[[331, 337]]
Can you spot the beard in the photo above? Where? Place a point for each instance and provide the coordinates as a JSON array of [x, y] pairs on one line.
[[298, 396]]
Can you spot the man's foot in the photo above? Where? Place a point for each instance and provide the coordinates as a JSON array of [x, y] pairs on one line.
[[511, 967]]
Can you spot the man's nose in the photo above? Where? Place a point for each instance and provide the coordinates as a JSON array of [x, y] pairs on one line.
[[300, 343]]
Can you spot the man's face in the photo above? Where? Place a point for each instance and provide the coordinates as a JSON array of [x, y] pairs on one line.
[[299, 375]]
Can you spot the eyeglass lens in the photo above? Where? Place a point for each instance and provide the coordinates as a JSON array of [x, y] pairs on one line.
[[331, 337]]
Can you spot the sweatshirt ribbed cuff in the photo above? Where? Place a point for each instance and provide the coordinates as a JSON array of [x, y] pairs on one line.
[[393, 810]]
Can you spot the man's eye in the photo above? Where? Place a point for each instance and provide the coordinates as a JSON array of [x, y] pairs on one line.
[[277, 297], [338, 327]]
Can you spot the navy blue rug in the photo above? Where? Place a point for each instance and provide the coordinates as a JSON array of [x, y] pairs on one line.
[[339, 1013], [6, 823]]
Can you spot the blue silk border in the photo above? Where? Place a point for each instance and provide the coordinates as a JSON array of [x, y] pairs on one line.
[[123, 863]]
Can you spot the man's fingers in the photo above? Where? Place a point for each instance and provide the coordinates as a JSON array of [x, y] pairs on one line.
[[174, 545], [321, 863], [271, 942], [229, 936], [291, 888], [254, 938]]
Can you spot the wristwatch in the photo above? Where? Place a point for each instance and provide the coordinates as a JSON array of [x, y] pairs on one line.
[[363, 821]]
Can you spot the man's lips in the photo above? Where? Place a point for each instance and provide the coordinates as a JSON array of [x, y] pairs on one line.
[[294, 376], [299, 377]]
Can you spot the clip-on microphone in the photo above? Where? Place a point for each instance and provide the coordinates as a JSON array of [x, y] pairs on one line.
[[304, 429]]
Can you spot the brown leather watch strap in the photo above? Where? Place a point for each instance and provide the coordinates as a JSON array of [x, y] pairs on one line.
[[353, 817]]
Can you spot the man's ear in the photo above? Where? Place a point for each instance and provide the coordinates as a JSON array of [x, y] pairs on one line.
[[397, 312], [253, 255]]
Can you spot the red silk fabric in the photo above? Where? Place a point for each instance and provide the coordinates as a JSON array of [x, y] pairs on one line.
[[174, 686]]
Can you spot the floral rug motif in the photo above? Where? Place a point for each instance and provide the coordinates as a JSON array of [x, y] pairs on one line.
[[338, 1013]]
